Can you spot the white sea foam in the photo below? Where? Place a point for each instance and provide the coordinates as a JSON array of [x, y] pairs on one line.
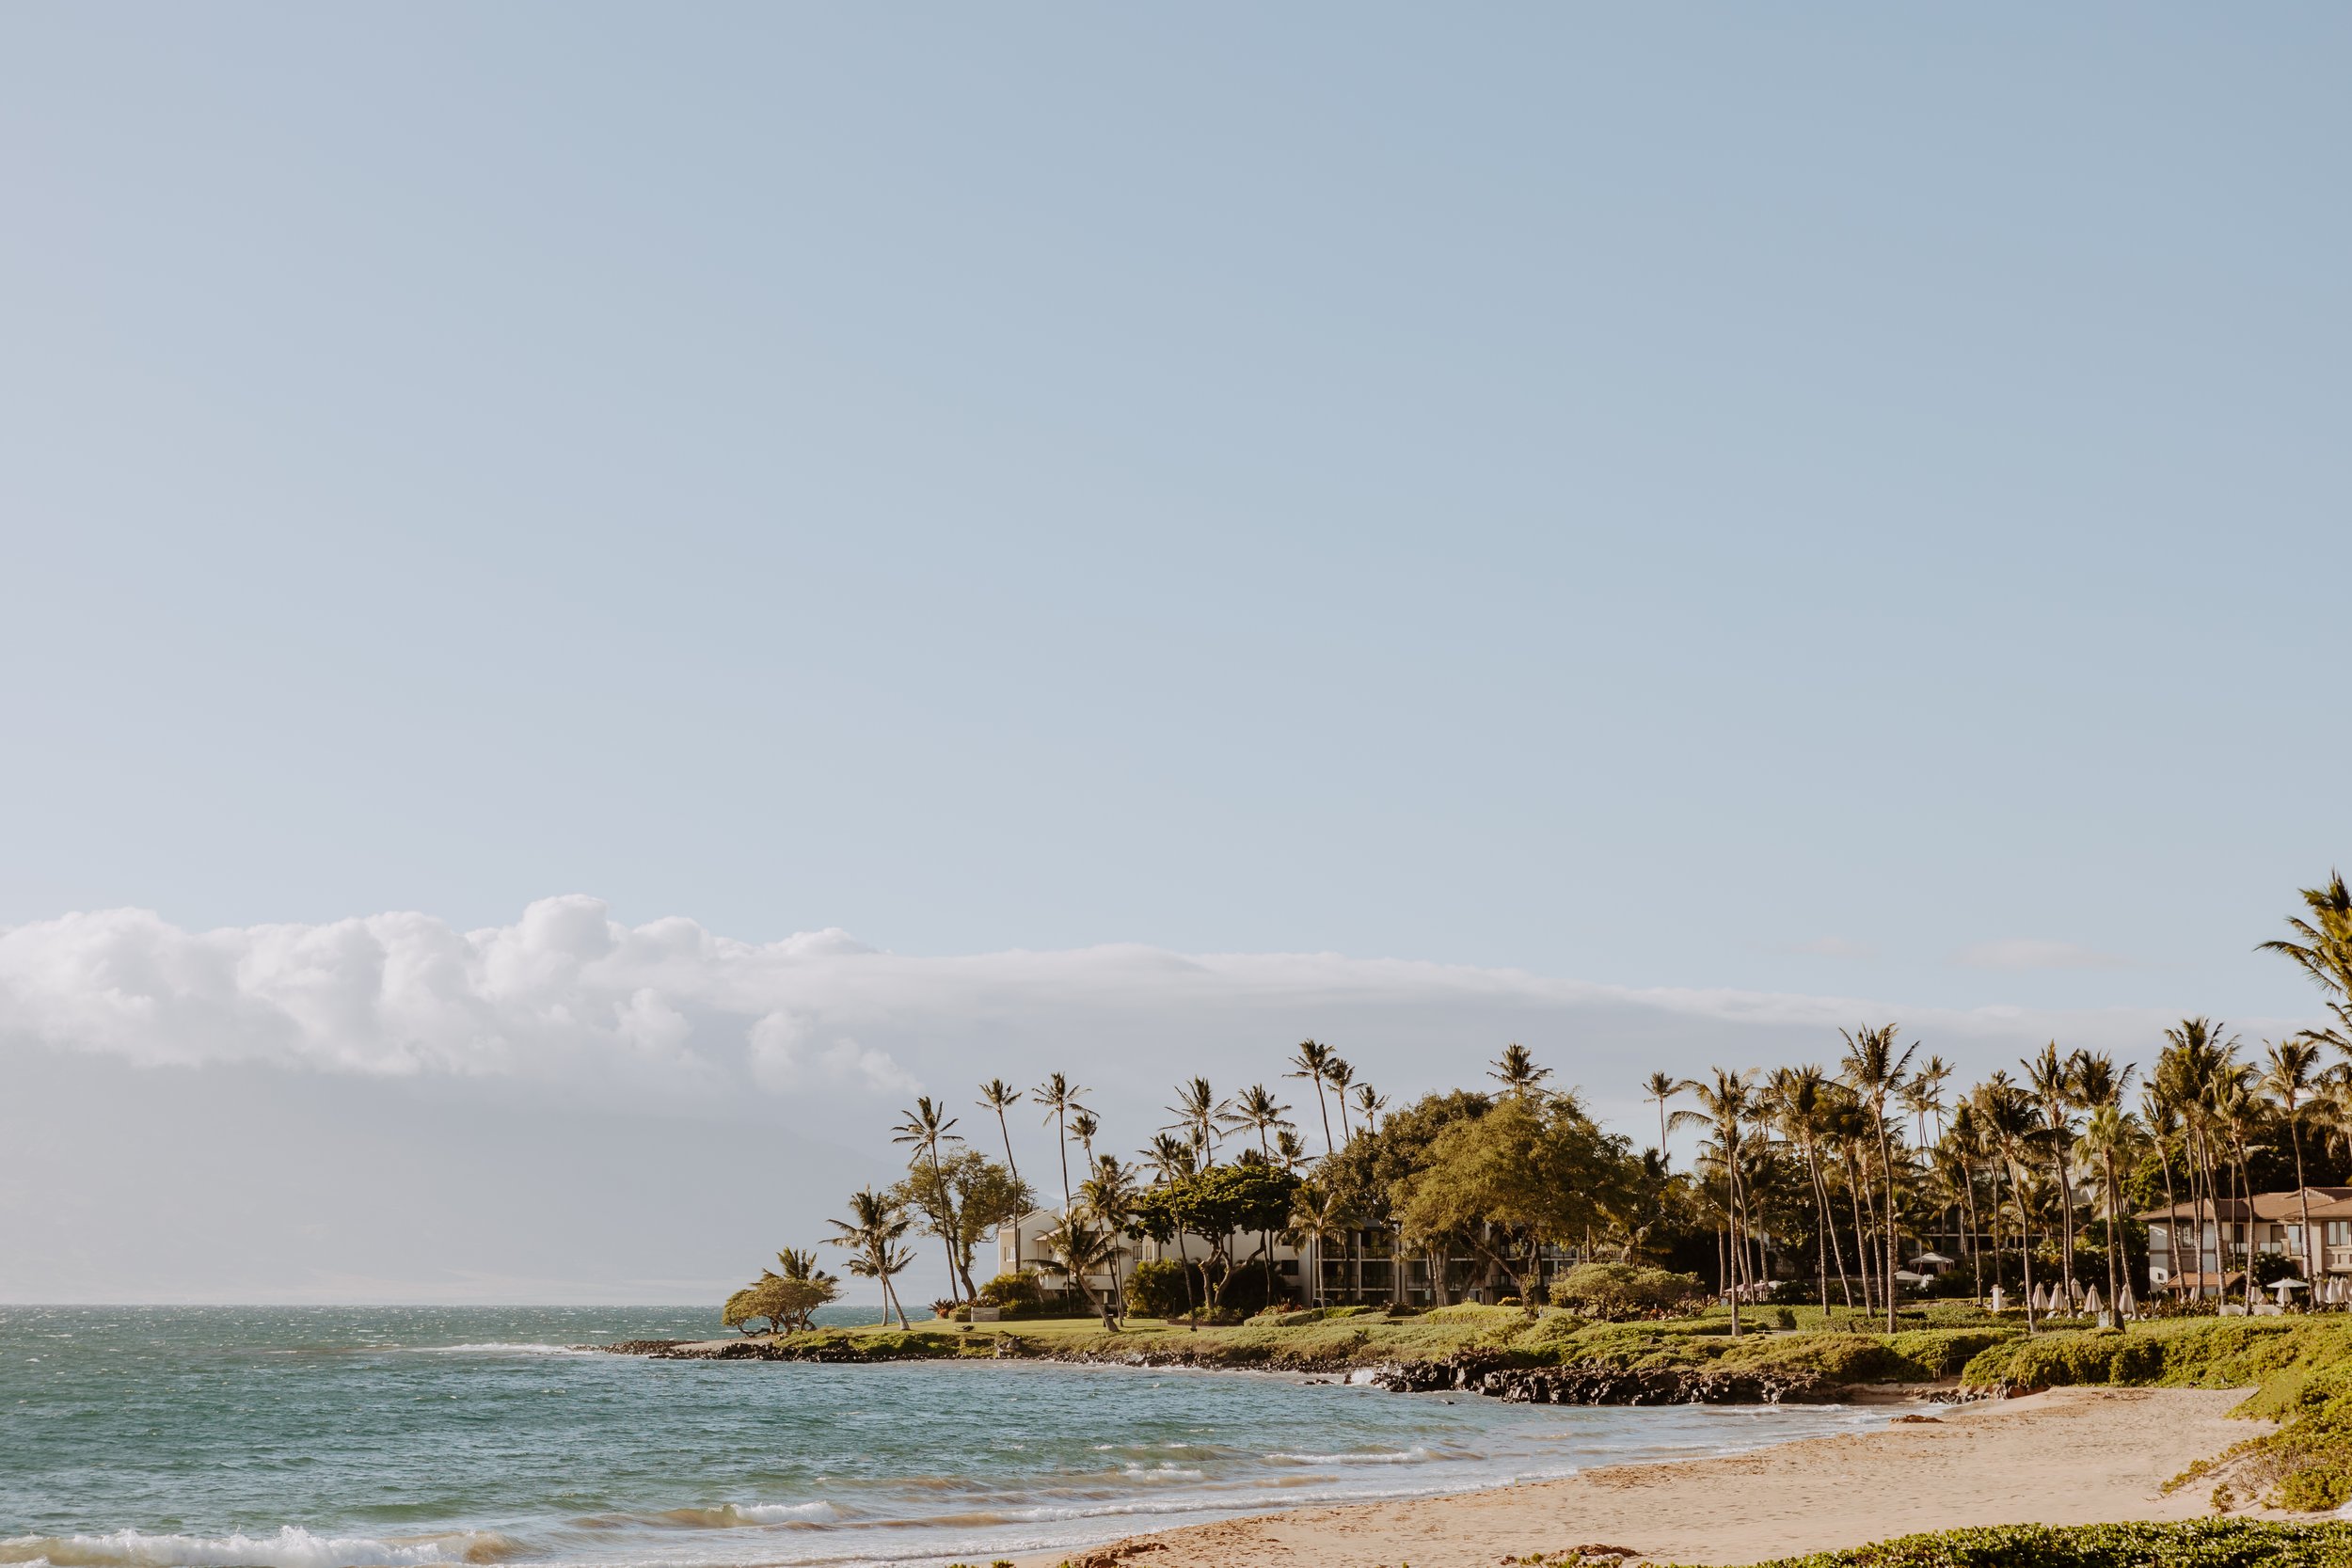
[[787, 1513], [502, 1347], [292, 1547], [1415, 1455]]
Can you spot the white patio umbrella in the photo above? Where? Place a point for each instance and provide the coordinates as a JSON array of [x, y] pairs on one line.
[[2126, 1306]]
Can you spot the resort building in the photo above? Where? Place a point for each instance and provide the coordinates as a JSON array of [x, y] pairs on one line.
[[2199, 1247]]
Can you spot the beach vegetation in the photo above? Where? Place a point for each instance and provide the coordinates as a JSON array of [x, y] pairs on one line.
[[2196, 1543], [1618, 1291]]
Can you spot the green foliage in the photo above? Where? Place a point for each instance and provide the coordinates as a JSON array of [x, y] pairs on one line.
[[1156, 1289], [1531, 1169], [1014, 1293], [2200, 1544], [1619, 1290]]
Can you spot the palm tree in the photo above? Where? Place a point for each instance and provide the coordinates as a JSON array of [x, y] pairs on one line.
[[1080, 1248], [1796, 1097], [927, 1129], [1368, 1105], [1172, 1156], [2112, 1137], [2325, 954], [2196, 1065], [1876, 1071], [1321, 1215], [871, 1233], [2052, 1081], [1082, 1127], [1255, 1109], [1660, 1087], [2006, 1115], [998, 1096], [1197, 1111], [1109, 1197], [1313, 1061], [1517, 1071], [1340, 1077], [1291, 1149], [1926, 1094], [1723, 1109], [2161, 1116], [1060, 1099], [2291, 1072]]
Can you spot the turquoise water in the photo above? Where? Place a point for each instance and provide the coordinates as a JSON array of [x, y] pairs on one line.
[[320, 1437]]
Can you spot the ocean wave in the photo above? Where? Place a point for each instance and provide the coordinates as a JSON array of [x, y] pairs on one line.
[[736, 1516], [292, 1547], [1415, 1455], [504, 1347]]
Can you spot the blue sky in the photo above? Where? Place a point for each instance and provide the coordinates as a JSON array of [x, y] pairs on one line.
[[1841, 502]]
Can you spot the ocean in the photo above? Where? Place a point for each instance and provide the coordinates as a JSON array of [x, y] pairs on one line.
[[386, 1437]]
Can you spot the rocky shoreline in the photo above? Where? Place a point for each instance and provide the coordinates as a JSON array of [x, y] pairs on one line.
[[1471, 1372]]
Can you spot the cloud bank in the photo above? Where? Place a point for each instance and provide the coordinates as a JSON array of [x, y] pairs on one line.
[[567, 993]]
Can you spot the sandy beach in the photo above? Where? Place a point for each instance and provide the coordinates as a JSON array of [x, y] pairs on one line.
[[2068, 1456]]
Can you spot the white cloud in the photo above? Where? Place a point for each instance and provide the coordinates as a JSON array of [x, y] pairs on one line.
[[567, 995], [2035, 953]]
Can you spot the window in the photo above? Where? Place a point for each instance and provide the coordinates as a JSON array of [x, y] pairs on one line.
[[2340, 1232]]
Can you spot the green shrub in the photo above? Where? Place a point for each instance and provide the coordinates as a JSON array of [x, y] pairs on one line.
[[1618, 1291], [2200, 1544], [1014, 1293], [1156, 1289]]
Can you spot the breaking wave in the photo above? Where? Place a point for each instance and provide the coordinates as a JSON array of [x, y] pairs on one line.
[[292, 1546]]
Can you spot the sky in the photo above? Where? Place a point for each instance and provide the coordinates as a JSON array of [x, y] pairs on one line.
[[597, 596]]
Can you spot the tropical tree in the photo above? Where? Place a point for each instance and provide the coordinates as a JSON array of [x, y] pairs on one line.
[[1724, 1108], [966, 1199], [1060, 1097], [1215, 1204], [1368, 1105], [1874, 1070], [1082, 1248], [1658, 1087], [1319, 1216], [1109, 1195], [2290, 1075], [2112, 1139], [2050, 1078], [2322, 949], [1342, 1078], [2006, 1115], [1797, 1099], [871, 1235], [926, 1128], [1197, 1111], [1533, 1169], [998, 1096], [1313, 1061], [1517, 1071]]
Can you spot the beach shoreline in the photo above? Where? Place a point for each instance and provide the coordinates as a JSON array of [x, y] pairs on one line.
[[2077, 1455]]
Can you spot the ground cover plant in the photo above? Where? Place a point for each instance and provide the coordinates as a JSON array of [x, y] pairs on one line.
[[2199, 1543]]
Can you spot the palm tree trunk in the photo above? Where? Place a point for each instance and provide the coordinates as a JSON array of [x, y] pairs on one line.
[[2172, 1211], [2303, 1202], [1886, 1159], [1005, 1132]]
